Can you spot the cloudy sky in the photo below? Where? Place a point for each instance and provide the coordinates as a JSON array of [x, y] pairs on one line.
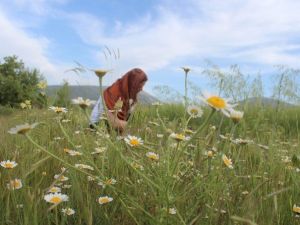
[[157, 36]]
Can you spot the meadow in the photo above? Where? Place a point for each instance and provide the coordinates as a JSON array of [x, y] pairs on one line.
[[172, 169]]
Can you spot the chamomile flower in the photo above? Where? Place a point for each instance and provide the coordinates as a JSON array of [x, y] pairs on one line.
[[58, 110], [56, 198], [83, 103], [296, 209], [179, 137], [172, 211], [227, 161], [22, 129], [217, 103], [60, 177], [235, 115], [104, 200], [194, 111], [110, 181], [99, 150], [153, 156], [83, 166], [68, 211], [8, 164], [133, 141], [72, 152], [54, 189], [100, 73], [15, 184]]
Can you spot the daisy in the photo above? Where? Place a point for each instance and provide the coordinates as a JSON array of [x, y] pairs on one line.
[[227, 162], [153, 156], [104, 199], [68, 211], [110, 181], [58, 109], [186, 69], [133, 141], [8, 164], [296, 209], [99, 150], [100, 73], [56, 198], [22, 129], [83, 166], [179, 137], [172, 211], [194, 111], [60, 177], [235, 115], [54, 189], [72, 152], [217, 103], [15, 184], [83, 103], [210, 153]]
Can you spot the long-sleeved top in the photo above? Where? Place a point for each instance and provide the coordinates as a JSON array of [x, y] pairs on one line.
[[97, 112]]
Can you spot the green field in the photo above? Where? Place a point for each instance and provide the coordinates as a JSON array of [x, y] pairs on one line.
[[188, 184]]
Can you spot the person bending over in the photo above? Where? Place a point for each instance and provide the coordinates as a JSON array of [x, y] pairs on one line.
[[124, 89]]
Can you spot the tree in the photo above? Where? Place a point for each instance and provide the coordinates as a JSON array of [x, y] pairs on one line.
[[63, 96], [17, 83]]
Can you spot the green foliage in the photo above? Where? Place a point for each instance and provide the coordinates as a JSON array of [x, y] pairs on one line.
[[17, 83], [63, 96]]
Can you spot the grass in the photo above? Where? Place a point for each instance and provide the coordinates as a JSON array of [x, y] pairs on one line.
[[262, 187]]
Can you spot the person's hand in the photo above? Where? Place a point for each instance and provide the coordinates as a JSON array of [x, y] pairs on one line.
[[116, 122]]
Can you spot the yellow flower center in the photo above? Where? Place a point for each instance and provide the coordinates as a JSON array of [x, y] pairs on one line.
[[216, 102], [9, 165], [24, 130], [134, 142], [55, 200], [194, 111], [153, 157], [180, 137], [227, 161], [103, 200], [296, 209]]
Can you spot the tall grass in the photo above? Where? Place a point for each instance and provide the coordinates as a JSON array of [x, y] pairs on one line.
[[261, 189]]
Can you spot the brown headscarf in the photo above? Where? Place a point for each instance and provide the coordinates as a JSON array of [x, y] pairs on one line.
[[127, 87]]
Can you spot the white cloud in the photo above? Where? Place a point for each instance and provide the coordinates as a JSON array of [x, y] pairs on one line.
[[33, 51], [240, 31]]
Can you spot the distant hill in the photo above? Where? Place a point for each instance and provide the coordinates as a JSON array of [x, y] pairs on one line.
[[266, 102], [92, 92]]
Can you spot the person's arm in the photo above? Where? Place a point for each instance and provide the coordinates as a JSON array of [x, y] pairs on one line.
[[116, 122], [97, 112]]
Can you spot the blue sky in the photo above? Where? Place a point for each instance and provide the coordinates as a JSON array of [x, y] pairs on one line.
[[157, 36]]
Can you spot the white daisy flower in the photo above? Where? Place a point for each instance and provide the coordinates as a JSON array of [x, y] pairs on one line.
[[179, 137], [83, 103], [217, 103], [153, 156], [60, 177], [104, 199], [8, 164], [68, 211], [15, 184], [58, 109], [133, 141], [227, 161], [56, 198], [54, 189], [194, 111], [83, 166], [22, 129], [235, 115]]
